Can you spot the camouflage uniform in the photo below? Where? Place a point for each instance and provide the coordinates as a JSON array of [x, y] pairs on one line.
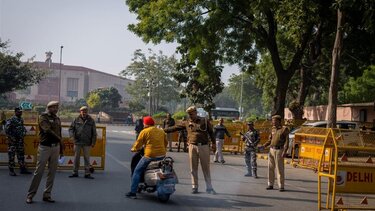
[[251, 139], [15, 132]]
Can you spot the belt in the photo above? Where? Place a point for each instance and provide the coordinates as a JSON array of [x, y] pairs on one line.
[[50, 145], [199, 144], [274, 147]]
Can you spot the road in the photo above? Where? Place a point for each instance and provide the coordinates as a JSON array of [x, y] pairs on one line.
[[107, 190]]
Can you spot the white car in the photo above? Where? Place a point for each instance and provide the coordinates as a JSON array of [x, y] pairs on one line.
[[322, 124]]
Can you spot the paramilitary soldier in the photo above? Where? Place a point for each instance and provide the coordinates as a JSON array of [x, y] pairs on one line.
[[251, 138], [16, 131]]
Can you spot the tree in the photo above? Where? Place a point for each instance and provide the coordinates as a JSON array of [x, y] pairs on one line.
[[251, 97], [15, 74], [153, 80], [357, 90], [236, 32], [103, 99]]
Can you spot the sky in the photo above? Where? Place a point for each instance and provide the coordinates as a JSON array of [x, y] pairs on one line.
[[93, 32]]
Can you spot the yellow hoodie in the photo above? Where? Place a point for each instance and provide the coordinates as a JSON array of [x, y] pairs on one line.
[[154, 141]]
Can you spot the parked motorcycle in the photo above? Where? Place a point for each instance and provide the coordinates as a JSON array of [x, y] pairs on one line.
[[159, 177]]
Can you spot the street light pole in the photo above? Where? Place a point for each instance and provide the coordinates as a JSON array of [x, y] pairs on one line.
[[241, 96], [61, 48]]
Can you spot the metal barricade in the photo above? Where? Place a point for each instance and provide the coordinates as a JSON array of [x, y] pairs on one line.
[[31, 143], [350, 170]]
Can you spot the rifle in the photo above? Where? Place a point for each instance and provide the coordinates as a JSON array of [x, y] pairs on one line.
[[248, 139]]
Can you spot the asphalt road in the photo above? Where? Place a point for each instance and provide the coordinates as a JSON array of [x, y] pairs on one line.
[[107, 190]]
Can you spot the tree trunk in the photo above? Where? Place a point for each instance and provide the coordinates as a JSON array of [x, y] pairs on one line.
[[296, 107], [336, 54], [280, 93]]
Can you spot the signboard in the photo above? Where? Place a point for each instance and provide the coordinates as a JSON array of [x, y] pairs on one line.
[[313, 151], [355, 179], [26, 105]]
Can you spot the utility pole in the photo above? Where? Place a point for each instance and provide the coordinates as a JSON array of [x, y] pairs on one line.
[[241, 109], [61, 48]]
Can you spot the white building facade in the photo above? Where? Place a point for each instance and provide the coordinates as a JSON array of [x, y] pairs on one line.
[[75, 83]]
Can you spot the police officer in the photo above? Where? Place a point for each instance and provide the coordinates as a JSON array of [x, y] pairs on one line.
[[199, 133], [169, 122], [279, 143], [48, 151], [251, 139], [83, 133], [182, 137], [16, 131]]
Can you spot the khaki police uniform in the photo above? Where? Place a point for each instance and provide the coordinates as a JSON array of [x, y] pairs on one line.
[[48, 152], [198, 133], [278, 142]]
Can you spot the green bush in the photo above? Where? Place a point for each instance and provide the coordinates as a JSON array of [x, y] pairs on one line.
[[179, 115], [39, 109], [160, 115]]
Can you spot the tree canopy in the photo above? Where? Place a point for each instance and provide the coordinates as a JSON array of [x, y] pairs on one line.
[[153, 80], [103, 99], [15, 74]]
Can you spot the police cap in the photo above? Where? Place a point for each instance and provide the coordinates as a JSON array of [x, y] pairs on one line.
[[191, 109], [52, 103], [276, 117], [83, 108]]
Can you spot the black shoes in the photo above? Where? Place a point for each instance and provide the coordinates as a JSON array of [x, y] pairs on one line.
[[131, 195], [73, 175], [88, 176], [281, 189], [222, 162], [29, 200], [24, 171], [12, 173], [48, 199], [194, 191], [269, 187]]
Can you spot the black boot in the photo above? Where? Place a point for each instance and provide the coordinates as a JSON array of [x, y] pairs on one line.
[[11, 172], [24, 170], [255, 174]]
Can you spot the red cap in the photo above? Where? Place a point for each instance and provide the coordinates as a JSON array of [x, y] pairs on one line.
[[148, 120]]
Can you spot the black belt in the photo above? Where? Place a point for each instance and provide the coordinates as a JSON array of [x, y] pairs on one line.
[[274, 147], [50, 144], [199, 144]]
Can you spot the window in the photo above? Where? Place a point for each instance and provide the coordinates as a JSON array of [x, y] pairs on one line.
[[72, 87], [363, 115]]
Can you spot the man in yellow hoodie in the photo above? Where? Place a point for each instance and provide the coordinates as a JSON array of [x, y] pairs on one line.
[[154, 142]]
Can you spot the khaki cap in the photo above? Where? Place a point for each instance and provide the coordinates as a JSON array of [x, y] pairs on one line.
[[52, 103], [83, 108], [191, 109], [276, 117]]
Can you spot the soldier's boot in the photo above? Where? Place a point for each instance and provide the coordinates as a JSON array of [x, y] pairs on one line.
[[24, 170], [255, 174], [11, 172]]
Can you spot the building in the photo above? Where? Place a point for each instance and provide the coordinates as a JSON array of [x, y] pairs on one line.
[[75, 81], [362, 112]]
